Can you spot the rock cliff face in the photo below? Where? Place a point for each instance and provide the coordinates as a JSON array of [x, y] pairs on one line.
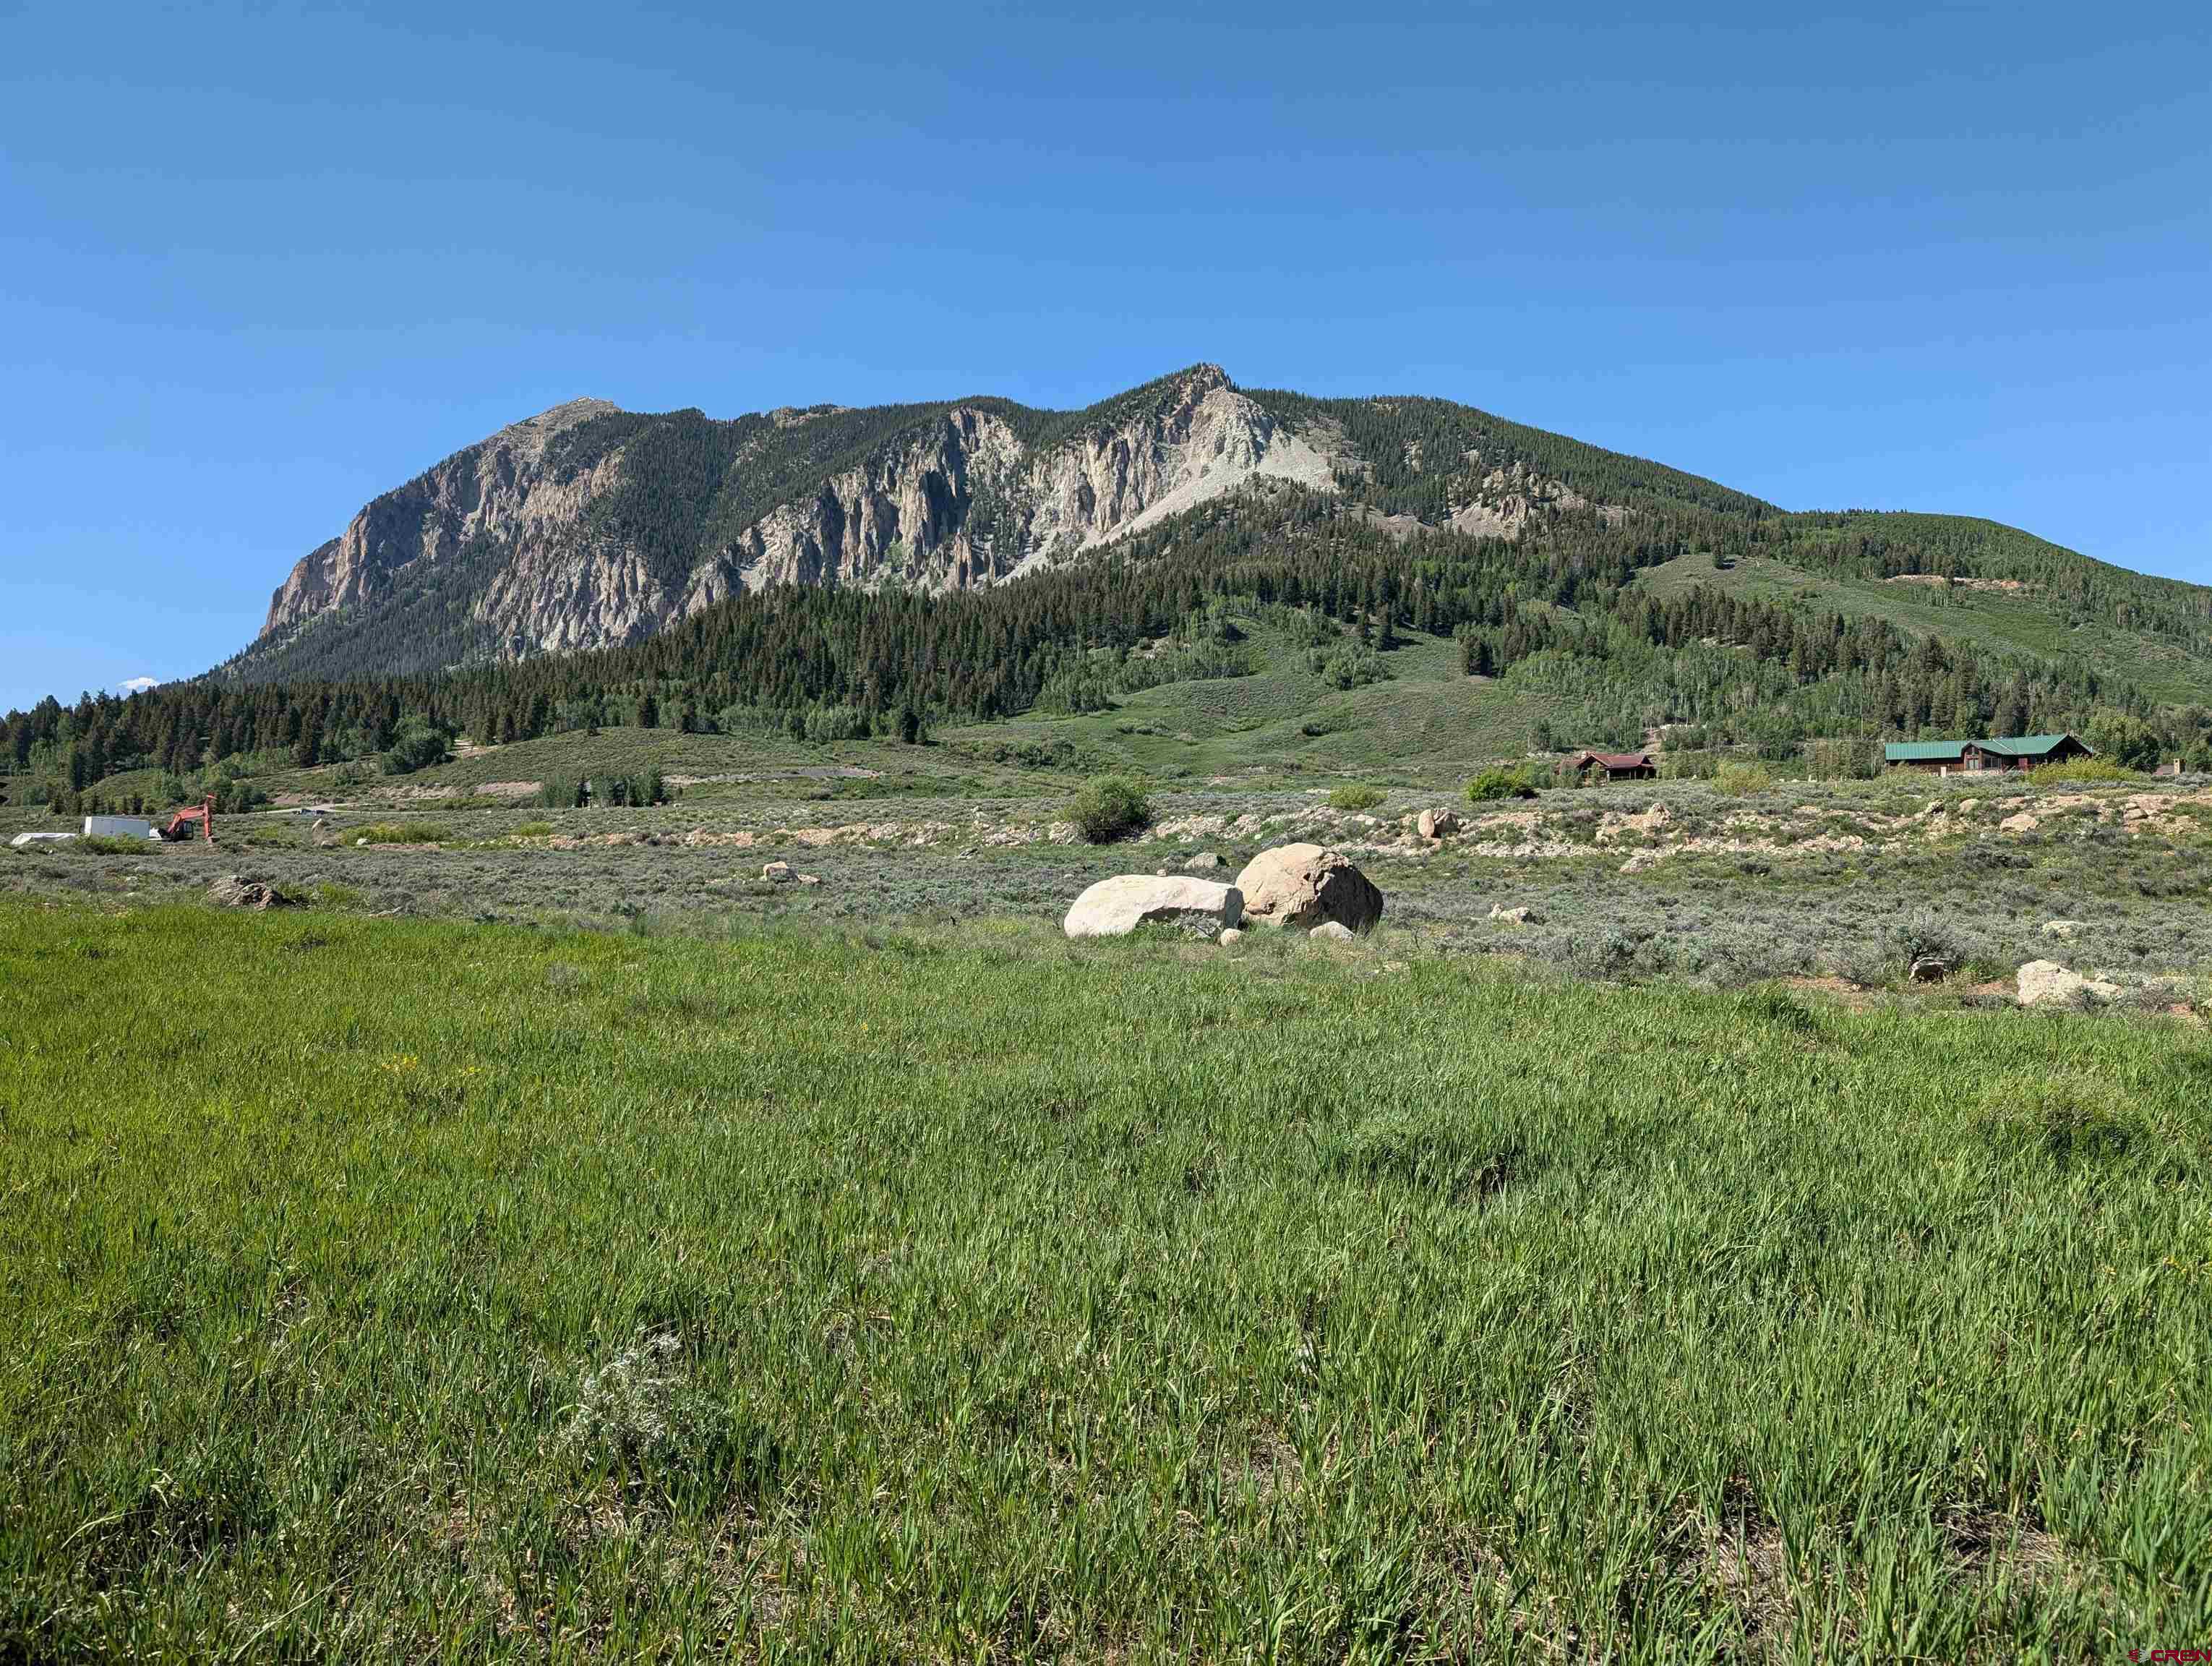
[[911, 515], [497, 489], [586, 526]]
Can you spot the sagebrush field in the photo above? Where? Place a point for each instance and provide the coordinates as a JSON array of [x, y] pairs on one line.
[[400, 1289]]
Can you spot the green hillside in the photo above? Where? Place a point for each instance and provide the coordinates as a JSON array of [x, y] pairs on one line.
[[1603, 600]]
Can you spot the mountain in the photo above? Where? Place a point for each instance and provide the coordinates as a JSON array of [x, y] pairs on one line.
[[1424, 575], [587, 525]]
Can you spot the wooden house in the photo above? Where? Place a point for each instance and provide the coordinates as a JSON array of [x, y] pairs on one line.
[[1616, 766], [1976, 757]]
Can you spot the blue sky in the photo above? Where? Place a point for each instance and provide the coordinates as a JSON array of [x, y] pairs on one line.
[[257, 264]]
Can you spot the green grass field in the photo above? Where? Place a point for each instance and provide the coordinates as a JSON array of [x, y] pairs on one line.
[[404, 1289]]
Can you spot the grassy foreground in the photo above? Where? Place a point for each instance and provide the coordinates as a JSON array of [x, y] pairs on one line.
[[407, 1289]]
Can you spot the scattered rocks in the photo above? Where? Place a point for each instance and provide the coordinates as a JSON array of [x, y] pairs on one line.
[[2047, 983], [1115, 906], [1305, 886], [1518, 917], [1611, 826], [1331, 930], [231, 891], [1438, 823]]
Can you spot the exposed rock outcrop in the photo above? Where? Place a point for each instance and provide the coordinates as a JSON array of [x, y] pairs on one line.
[[549, 539], [2047, 983]]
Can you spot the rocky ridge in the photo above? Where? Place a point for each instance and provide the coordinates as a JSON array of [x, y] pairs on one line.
[[537, 533]]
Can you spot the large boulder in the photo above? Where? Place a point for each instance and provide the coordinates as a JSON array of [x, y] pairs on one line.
[[1116, 907], [1304, 886], [2047, 983]]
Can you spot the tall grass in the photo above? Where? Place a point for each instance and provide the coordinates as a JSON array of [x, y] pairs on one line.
[[392, 1290]]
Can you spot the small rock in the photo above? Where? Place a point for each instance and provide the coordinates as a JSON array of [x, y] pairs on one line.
[[234, 892], [1204, 860], [2023, 823], [2045, 982], [776, 871], [361, 844], [810, 879], [1230, 936], [1331, 930], [1437, 823], [1520, 917], [2061, 929]]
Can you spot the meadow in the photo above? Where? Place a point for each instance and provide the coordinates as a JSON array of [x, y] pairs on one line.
[[402, 1289]]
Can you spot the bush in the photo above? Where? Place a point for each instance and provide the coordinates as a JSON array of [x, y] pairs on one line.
[[1355, 797], [1109, 809], [1351, 667], [1741, 780], [1493, 784], [1928, 935], [403, 833], [2080, 769], [102, 845], [532, 830], [417, 747]]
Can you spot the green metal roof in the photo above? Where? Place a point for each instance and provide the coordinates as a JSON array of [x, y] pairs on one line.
[[1921, 752], [2025, 745], [1925, 752]]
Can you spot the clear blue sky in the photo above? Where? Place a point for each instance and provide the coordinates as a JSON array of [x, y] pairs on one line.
[[257, 264]]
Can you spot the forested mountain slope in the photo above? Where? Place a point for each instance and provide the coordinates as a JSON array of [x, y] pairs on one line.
[[833, 572]]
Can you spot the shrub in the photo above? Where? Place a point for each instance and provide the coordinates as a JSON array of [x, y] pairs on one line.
[[1108, 810], [1493, 784], [417, 747], [102, 845], [532, 831], [1741, 780], [403, 833], [2080, 769], [1927, 934], [1351, 667], [1357, 796]]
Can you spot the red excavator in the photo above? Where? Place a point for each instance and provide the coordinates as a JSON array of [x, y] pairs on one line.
[[201, 816]]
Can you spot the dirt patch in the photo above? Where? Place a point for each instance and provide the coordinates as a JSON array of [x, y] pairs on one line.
[[2010, 586]]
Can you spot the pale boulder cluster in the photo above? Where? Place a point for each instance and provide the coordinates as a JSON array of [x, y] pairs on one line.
[[1292, 887]]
